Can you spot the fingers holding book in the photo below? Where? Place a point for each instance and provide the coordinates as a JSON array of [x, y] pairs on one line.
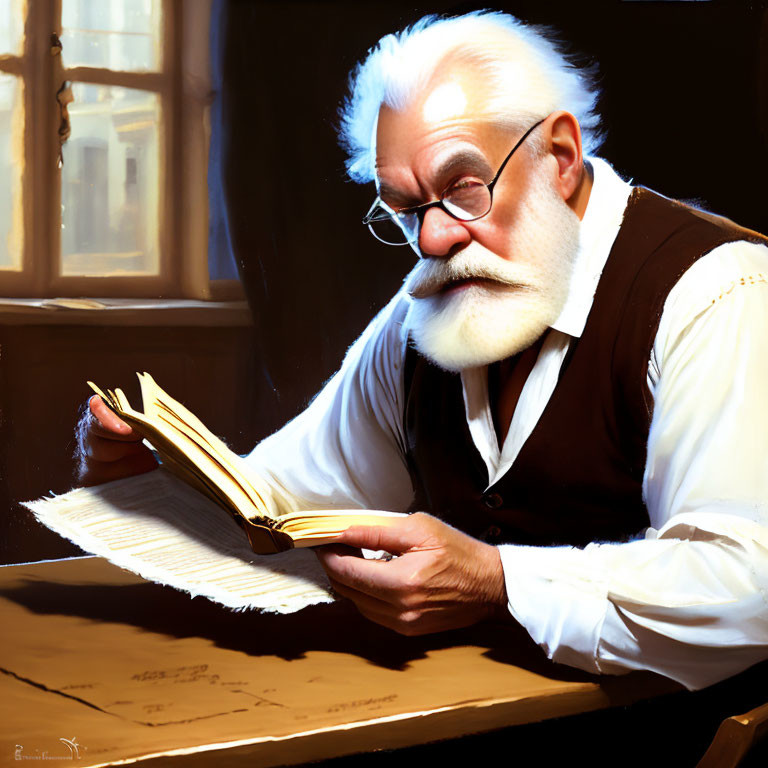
[[441, 578], [105, 423], [107, 447]]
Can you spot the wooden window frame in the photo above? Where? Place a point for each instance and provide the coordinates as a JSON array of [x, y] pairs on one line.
[[184, 89]]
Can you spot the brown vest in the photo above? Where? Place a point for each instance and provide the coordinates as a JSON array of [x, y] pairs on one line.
[[578, 477]]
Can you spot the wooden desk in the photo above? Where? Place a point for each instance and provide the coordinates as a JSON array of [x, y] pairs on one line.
[[138, 672]]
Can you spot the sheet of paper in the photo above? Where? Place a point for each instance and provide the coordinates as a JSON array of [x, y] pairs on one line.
[[132, 671], [159, 528]]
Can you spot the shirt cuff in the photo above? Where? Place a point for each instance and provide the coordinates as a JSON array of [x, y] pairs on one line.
[[559, 596]]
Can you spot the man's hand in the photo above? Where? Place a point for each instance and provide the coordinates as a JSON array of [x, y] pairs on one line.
[[107, 448], [441, 578]]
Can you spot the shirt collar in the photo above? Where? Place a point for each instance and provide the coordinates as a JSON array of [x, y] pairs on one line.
[[599, 228]]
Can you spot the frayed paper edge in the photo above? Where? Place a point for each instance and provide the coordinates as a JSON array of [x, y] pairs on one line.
[[44, 511]]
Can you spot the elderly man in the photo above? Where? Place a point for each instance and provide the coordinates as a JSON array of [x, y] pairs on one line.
[[570, 381]]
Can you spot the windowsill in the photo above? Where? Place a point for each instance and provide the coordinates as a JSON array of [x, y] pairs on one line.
[[137, 312]]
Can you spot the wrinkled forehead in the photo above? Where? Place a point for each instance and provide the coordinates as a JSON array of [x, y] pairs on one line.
[[452, 113]]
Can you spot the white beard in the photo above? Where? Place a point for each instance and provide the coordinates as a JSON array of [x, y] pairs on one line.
[[490, 321]]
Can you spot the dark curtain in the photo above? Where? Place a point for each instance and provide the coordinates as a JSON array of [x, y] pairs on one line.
[[684, 88]]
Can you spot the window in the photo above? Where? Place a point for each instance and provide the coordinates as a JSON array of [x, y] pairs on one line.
[[103, 149]]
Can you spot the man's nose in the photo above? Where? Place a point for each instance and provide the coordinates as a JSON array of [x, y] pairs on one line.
[[440, 234]]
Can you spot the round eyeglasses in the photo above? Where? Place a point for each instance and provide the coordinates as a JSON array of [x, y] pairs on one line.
[[467, 200]]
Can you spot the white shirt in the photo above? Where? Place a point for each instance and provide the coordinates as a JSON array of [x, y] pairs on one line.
[[690, 600]]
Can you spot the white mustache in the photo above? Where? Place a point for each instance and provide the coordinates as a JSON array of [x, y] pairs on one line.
[[430, 276]]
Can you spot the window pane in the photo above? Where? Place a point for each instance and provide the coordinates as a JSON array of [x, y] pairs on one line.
[[110, 183], [11, 163], [11, 26], [112, 34]]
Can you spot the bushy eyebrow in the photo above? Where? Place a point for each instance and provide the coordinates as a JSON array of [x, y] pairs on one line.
[[395, 198], [466, 160]]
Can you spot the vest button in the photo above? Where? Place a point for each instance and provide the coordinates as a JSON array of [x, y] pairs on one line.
[[492, 535], [492, 500]]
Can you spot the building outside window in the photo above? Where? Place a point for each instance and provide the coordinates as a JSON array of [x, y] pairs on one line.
[[103, 150]]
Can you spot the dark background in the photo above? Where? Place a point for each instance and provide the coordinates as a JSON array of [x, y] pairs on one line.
[[684, 108], [684, 105]]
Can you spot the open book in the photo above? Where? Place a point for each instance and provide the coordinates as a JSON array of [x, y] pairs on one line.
[[199, 458]]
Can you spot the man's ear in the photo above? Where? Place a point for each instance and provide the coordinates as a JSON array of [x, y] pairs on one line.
[[565, 146]]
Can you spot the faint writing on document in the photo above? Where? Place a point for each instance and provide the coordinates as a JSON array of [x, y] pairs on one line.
[[188, 674], [373, 703]]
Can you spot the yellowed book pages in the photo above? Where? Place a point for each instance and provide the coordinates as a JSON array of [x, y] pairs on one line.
[[168, 439], [159, 405], [203, 461]]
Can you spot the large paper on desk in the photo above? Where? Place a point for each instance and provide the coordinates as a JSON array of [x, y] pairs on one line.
[[139, 676], [159, 528]]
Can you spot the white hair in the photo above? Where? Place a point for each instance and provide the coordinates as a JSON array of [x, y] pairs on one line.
[[532, 78]]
